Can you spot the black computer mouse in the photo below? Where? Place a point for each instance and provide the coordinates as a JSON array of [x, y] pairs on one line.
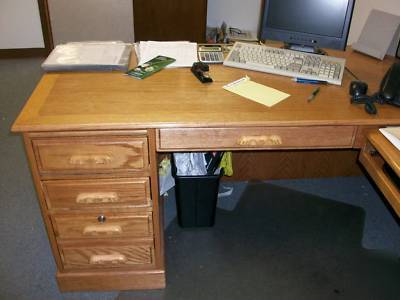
[[370, 108]]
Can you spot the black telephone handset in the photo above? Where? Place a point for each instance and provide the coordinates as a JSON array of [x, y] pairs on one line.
[[389, 91]]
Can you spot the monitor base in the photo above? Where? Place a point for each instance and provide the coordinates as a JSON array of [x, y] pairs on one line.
[[304, 48]]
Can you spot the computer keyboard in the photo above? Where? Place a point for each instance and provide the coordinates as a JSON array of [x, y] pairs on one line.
[[286, 62]]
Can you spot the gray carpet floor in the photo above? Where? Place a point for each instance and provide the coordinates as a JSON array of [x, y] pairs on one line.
[[278, 243], [27, 268]]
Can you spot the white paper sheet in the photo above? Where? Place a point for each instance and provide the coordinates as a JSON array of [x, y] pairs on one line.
[[392, 134], [185, 53]]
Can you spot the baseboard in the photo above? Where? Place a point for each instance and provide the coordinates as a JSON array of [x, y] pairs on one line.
[[108, 281], [26, 52]]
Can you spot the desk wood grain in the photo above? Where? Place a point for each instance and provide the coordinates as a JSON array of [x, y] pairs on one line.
[[175, 98]]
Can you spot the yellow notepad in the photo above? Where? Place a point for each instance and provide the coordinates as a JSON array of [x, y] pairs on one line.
[[255, 91]]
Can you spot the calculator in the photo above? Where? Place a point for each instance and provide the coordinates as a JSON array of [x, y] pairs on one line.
[[210, 54]]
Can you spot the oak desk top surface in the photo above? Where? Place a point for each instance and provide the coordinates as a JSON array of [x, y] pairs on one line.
[[175, 98]]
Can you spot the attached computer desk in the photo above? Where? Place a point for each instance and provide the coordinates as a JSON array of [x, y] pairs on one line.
[[92, 140]]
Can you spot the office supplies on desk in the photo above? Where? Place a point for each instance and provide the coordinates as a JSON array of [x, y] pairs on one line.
[[88, 56], [211, 54], [286, 62], [185, 53], [200, 70], [314, 94], [235, 35], [256, 92], [302, 80], [150, 67]]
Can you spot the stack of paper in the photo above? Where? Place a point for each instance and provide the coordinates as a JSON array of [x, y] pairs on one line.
[[392, 134], [185, 53], [88, 56]]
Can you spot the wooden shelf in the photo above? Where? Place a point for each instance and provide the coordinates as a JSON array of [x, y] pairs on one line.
[[375, 153]]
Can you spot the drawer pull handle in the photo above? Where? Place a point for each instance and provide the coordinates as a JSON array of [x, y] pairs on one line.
[[102, 229], [107, 259], [90, 159], [89, 198], [260, 140]]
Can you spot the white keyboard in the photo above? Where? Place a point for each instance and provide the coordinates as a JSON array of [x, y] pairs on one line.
[[286, 62]]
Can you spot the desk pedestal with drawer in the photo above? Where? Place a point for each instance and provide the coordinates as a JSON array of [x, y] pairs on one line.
[[98, 195]]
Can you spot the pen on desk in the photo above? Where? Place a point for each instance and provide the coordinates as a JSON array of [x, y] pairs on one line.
[[313, 94], [311, 81]]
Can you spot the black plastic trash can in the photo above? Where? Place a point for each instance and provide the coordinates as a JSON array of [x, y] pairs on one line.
[[196, 199]]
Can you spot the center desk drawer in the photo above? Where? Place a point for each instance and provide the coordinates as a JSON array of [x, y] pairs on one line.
[[103, 193], [94, 154], [101, 225], [256, 138]]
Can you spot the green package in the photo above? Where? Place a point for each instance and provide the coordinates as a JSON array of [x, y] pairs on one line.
[[150, 67]]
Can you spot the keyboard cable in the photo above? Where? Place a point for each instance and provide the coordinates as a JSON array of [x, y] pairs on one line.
[[351, 73]]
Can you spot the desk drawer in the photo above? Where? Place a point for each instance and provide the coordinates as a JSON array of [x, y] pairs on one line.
[[138, 254], [256, 138], [91, 154], [104, 193], [105, 224]]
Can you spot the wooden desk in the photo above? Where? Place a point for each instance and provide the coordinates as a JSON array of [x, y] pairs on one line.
[[92, 141]]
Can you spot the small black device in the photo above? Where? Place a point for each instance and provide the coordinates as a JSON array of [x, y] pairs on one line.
[[200, 70], [389, 91], [358, 88], [358, 92]]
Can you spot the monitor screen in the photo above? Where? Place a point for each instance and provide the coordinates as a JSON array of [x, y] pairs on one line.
[[310, 23]]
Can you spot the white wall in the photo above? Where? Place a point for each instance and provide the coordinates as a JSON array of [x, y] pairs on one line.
[[20, 25], [236, 13], [245, 14], [100, 20]]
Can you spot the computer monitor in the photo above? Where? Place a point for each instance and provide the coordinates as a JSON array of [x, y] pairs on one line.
[[308, 25]]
